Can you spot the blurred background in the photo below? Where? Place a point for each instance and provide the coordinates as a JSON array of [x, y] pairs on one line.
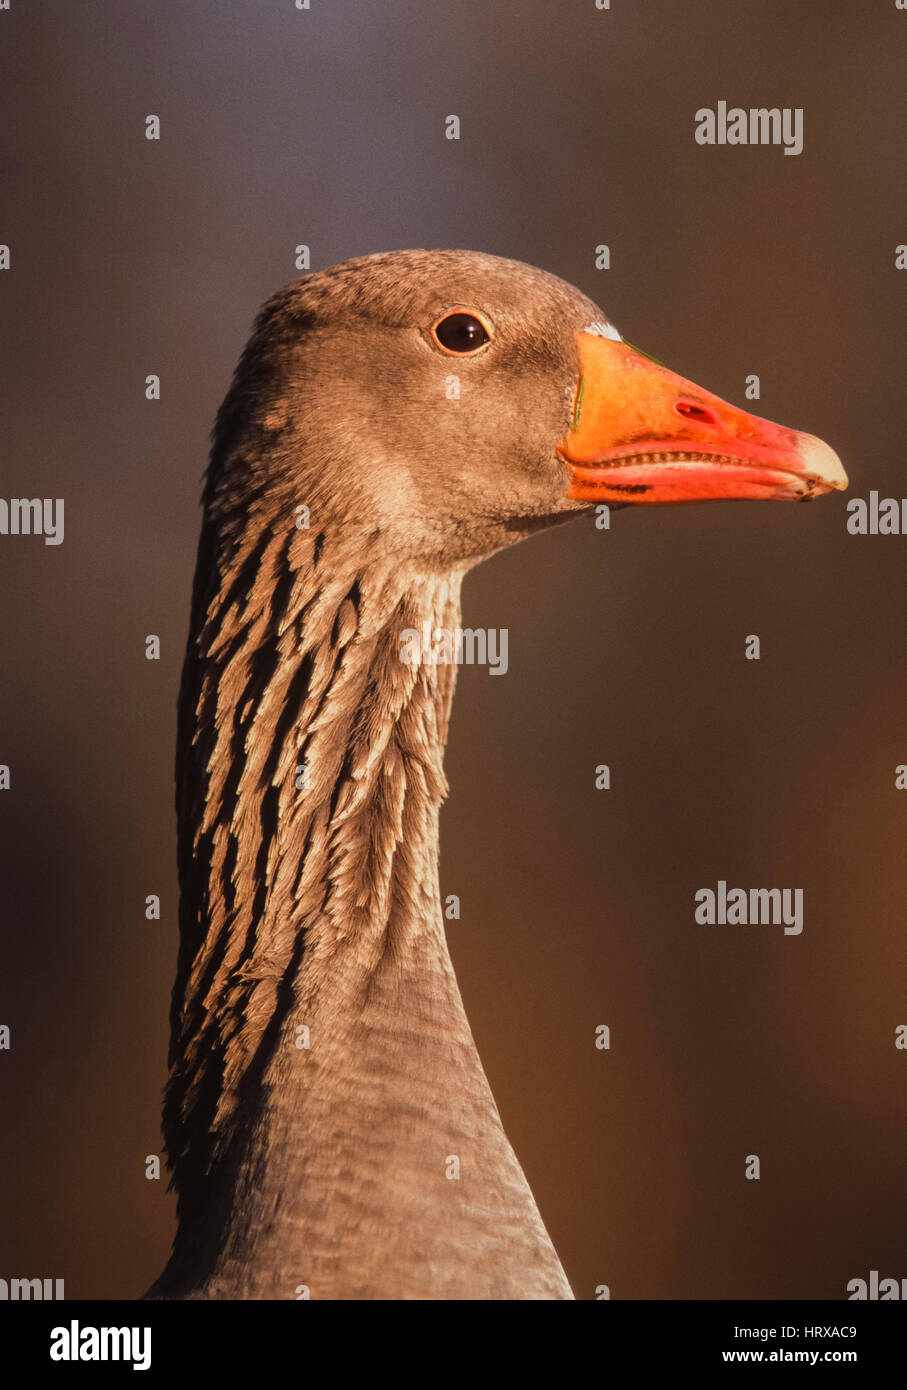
[[326, 127]]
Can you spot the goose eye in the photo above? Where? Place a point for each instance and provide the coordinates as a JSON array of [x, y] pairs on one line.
[[460, 332]]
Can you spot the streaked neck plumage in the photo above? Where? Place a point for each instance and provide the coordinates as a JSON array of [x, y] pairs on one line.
[[328, 1118]]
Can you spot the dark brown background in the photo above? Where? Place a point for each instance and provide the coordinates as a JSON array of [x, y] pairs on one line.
[[326, 127]]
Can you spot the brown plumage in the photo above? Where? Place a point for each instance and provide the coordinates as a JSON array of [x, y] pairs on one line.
[[310, 899]]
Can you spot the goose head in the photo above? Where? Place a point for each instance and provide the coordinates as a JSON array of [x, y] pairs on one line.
[[452, 402]]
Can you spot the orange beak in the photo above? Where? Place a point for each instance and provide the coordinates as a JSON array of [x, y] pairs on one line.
[[641, 434]]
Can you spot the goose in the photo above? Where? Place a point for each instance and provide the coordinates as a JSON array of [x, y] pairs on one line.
[[393, 421]]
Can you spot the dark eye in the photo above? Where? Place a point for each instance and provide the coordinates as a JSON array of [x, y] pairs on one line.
[[461, 331]]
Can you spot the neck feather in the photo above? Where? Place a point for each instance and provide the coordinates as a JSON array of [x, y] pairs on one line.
[[322, 1068]]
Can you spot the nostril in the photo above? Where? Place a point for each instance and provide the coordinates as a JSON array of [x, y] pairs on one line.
[[701, 413]]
